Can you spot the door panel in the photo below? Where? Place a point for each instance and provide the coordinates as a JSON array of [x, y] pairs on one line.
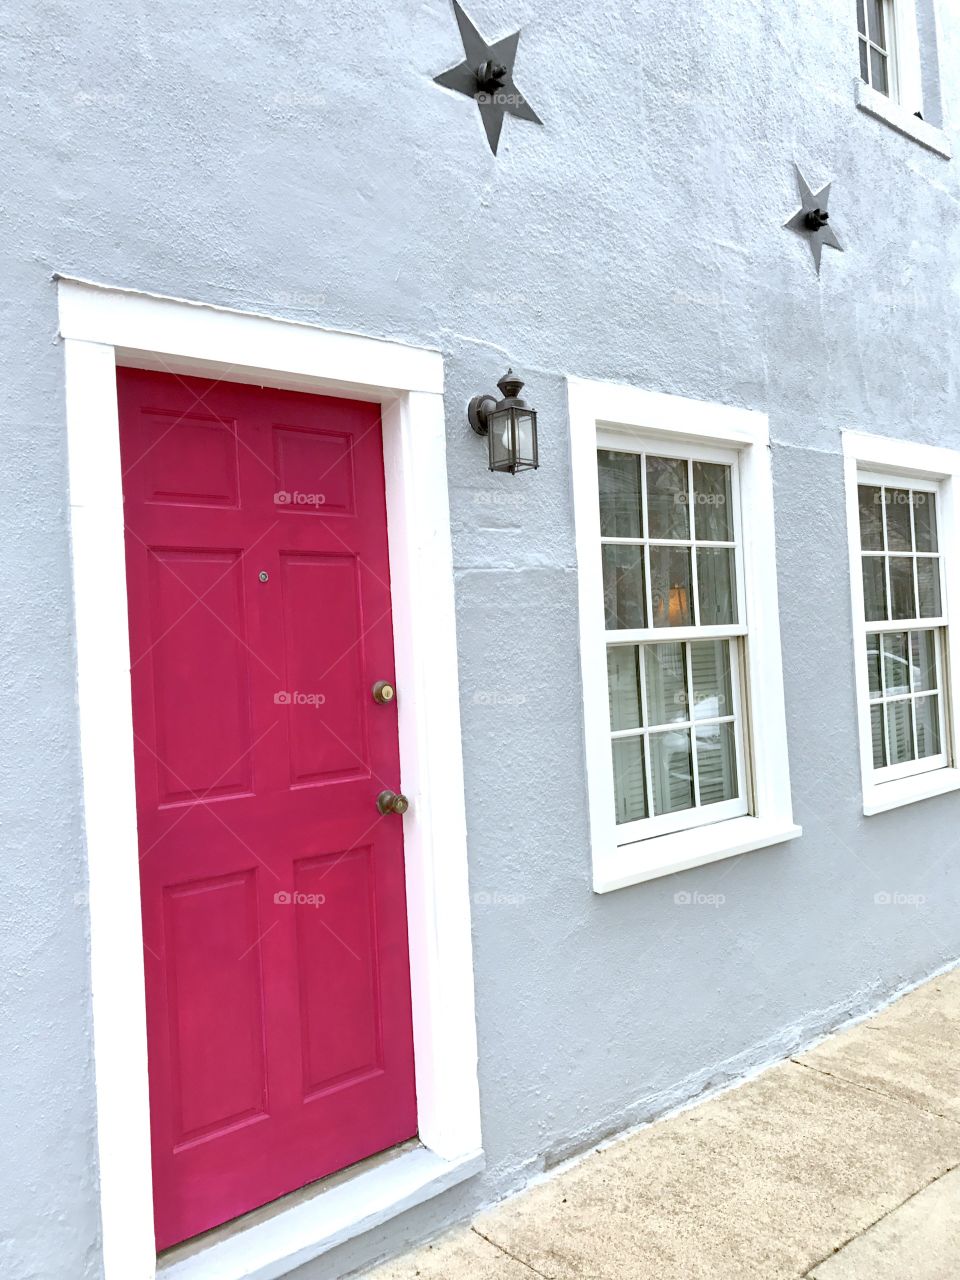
[[274, 918]]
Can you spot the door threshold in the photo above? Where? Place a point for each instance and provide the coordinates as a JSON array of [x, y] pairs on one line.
[[274, 1241]]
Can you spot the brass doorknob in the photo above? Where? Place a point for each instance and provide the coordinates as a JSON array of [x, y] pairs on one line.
[[383, 691], [392, 802]]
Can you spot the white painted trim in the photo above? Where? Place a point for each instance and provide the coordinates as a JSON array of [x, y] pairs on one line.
[[274, 1248], [99, 326], [881, 457], [600, 407], [903, 120]]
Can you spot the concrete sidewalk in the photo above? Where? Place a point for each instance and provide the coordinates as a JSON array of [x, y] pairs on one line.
[[839, 1164]]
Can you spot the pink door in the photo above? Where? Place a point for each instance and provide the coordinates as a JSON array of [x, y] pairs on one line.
[[274, 920]]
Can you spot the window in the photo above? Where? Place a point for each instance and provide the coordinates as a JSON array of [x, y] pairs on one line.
[[903, 617], [878, 68], [901, 518], [670, 555], [679, 632]]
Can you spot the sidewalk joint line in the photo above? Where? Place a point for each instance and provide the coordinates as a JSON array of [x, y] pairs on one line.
[[896, 1209], [881, 1093], [507, 1254]]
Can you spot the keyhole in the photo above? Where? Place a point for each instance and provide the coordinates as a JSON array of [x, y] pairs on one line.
[[264, 576]]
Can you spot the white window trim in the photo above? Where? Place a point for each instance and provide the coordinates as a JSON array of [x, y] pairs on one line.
[[102, 327], [604, 407], [898, 110], [906, 461]]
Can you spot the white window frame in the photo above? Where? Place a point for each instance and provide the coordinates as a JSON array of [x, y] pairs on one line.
[[898, 108], [102, 327], [891, 16], [870, 459], [599, 413]]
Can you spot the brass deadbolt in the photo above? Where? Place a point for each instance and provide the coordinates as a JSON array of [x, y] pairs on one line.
[[383, 691]]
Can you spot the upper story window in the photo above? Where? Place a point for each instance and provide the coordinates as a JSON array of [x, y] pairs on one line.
[[876, 23], [684, 720]]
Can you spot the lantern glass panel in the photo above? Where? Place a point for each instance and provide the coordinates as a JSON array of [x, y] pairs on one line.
[[501, 435], [526, 436]]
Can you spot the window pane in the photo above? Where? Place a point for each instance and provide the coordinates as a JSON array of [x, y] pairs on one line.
[[900, 731], [928, 586], [925, 521], [861, 18], [629, 781], [898, 520], [620, 511], [624, 598], [667, 497], [896, 667], [923, 660], [666, 668], [716, 762], [873, 664], [672, 771], [877, 33], [902, 595], [878, 70], [712, 695], [928, 727], [876, 734], [712, 511], [871, 517], [874, 589], [623, 682], [670, 585], [716, 586], [864, 62]]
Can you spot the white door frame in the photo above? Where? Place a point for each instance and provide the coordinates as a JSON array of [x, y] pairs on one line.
[[101, 328]]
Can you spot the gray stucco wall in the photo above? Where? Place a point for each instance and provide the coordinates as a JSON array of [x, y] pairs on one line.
[[298, 160]]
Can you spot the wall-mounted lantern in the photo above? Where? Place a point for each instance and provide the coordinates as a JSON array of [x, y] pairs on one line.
[[509, 424]]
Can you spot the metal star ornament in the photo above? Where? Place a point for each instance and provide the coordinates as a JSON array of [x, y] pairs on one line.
[[486, 75], [813, 220]]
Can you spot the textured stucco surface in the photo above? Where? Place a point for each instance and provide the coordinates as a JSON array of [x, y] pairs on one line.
[[298, 160]]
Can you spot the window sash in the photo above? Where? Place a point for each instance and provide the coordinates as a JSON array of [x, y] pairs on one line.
[[698, 815], [937, 625], [870, 47]]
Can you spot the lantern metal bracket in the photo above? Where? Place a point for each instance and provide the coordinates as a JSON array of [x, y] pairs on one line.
[[478, 413]]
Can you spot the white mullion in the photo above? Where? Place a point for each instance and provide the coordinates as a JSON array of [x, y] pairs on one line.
[[645, 720], [913, 552], [883, 701], [694, 582], [940, 649], [688, 656], [913, 698], [645, 530], [886, 556]]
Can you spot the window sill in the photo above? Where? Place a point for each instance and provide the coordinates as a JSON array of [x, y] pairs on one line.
[[892, 113], [665, 855], [287, 1241], [892, 795]]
